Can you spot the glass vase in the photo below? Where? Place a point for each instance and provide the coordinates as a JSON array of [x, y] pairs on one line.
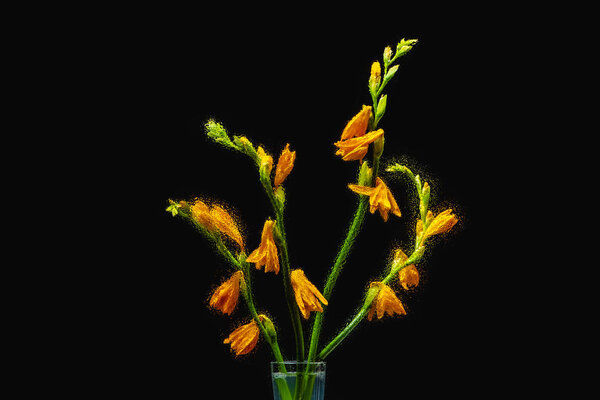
[[294, 380]]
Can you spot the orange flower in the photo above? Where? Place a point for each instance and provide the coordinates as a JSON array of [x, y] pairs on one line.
[[307, 295], [243, 340], [385, 302], [226, 296], [226, 224], [201, 213], [357, 147], [266, 253], [442, 223], [284, 165], [380, 198], [357, 126], [216, 217], [408, 276]]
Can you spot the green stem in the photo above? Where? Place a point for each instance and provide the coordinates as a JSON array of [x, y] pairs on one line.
[[335, 271], [362, 312], [285, 269]]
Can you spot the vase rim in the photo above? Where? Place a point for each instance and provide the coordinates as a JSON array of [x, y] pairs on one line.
[[298, 362]]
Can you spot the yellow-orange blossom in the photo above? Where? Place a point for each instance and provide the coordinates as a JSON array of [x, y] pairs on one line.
[[266, 253], [244, 338], [307, 295], [380, 198], [285, 164], [225, 297], [216, 217], [386, 302]]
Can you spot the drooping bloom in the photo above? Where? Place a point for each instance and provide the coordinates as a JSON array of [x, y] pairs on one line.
[[386, 302], [284, 165], [307, 295], [226, 224], [266, 253], [380, 198], [357, 126], [225, 297], [356, 148], [243, 340], [442, 223], [408, 276]]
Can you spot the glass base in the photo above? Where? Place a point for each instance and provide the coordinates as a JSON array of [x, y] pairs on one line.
[[298, 380]]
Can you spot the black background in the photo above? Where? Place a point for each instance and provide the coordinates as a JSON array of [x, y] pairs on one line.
[[297, 77]]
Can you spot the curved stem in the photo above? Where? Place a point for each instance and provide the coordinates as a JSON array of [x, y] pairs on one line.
[[360, 315]]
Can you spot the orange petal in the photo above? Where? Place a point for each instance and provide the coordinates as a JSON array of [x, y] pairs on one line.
[[357, 126]]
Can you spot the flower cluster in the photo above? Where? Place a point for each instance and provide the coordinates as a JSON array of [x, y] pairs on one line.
[[220, 225]]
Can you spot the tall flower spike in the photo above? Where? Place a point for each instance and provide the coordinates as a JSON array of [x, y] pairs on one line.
[[386, 302], [243, 340], [284, 165], [226, 224], [307, 295], [357, 126], [357, 147], [225, 297], [380, 198], [266, 253]]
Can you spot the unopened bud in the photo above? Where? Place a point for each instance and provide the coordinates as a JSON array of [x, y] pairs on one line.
[[405, 46], [280, 196], [244, 145], [378, 147], [216, 132], [387, 55], [381, 108], [390, 74], [376, 70], [269, 326], [365, 175], [375, 78]]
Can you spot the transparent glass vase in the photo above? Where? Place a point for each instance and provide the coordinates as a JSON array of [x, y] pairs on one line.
[[294, 380]]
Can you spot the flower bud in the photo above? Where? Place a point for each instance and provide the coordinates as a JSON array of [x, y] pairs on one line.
[[387, 55], [365, 175], [405, 46], [378, 147], [376, 71], [380, 108], [375, 78], [265, 164], [269, 326], [244, 145], [216, 132], [280, 196], [390, 74]]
